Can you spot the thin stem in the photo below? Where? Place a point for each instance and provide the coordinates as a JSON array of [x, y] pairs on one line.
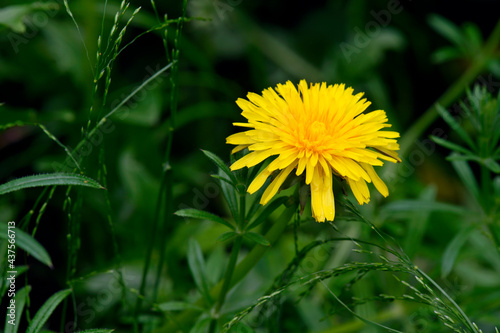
[[414, 132], [241, 270], [462, 313], [229, 274], [485, 189], [166, 184], [242, 211], [231, 265]]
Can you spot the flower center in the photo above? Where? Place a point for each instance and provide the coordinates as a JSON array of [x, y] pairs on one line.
[[309, 137], [317, 128]]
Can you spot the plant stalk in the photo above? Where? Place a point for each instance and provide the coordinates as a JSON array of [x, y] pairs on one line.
[[449, 96], [240, 271]]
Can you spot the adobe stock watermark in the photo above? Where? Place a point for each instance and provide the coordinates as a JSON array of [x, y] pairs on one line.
[[88, 308], [363, 36], [223, 7], [42, 13], [108, 126]]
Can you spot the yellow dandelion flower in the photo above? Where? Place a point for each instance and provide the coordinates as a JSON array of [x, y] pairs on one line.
[[321, 130]]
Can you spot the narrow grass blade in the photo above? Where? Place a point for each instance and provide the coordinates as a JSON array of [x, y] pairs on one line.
[[202, 215], [197, 266], [27, 243], [452, 250], [420, 206], [447, 29], [178, 306], [230, 195], [492, 165], [257, 238], [4, 285], [220, 163], [450, 145], [48, 180], [455, 126], [46, 310], [227, 236], [417, 224], [12, 325], [267, 211], [467, 176]]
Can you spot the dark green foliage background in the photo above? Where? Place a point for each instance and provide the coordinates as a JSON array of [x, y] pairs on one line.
[[227, 50]]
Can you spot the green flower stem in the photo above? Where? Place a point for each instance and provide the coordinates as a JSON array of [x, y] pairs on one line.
[[494, 230], [226, 284], [232, 263], [258, 251], [454, 92], [242, 210], [240, 271]]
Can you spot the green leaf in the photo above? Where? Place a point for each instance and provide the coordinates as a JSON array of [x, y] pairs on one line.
[[46, 310], [455, 126], [27, 243], [4, 285], [223, 179], [178, 306], [417, 223], [447, 29], [201, 325], [467, 176], [268, 210], [221, 165], [48, 179], [230, 195], [202, 215], [420, 206], [257, 238], [496, 188], [492, 165], [13, 16], [445, 53], [473, 35], [452, 250], [227, 236], [196, 264], [489, 162], [450, 145], [19, 301]]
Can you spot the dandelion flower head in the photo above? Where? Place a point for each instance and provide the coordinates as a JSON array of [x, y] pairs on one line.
[[316, 130]]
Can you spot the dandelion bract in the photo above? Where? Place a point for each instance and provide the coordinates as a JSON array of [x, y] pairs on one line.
[[318, 130]]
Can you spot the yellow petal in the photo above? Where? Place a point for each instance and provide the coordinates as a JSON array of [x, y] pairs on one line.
[[379, 184], [322, 201], [273, 188], [251, 159], [310, 170], [301, 166], [360, 190], [239, 139], [243, 125], [387, 154], [259, 180]]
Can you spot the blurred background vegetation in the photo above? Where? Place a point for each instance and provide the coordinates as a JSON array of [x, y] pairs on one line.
[[403, 54]]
